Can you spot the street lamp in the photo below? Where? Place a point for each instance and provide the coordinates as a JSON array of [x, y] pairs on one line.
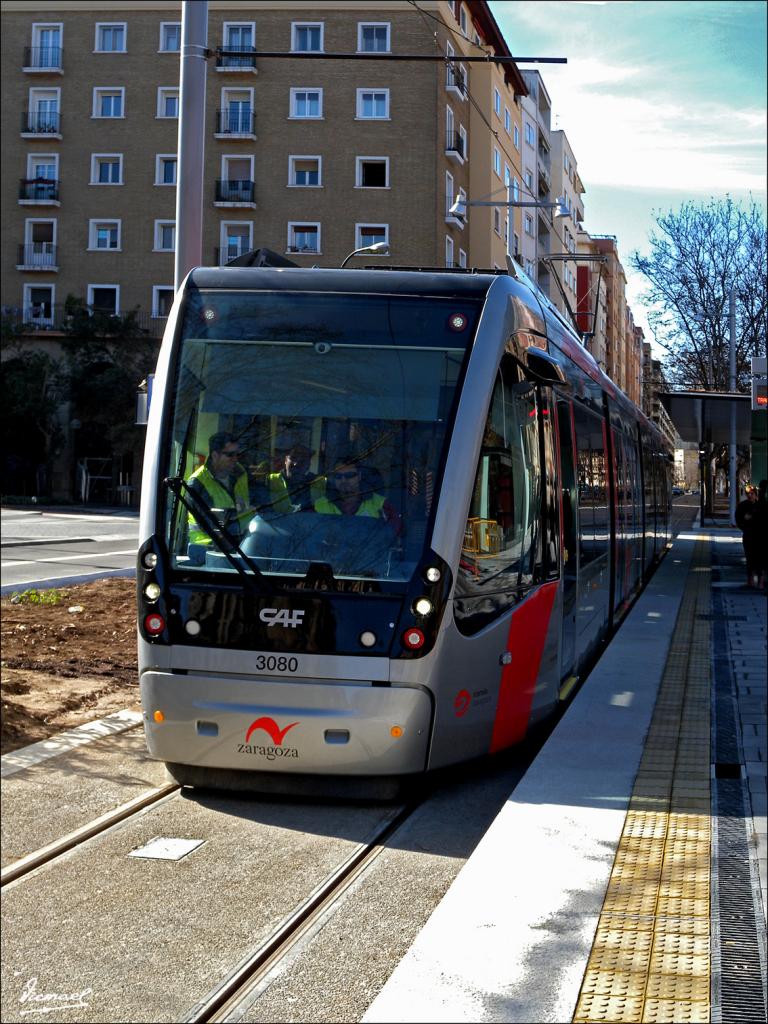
[[376, 247], [459, 208]]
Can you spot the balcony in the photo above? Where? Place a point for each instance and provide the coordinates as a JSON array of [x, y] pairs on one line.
[[453, 218], [47, 317], [545, 180], [41, 124], [236, 58], [454, 147], [235, 193], [39, 192], [37, 256], [456, 82], [235, 124], [230, 252], [43, 58]]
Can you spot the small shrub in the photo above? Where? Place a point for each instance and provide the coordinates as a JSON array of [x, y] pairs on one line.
[[37, 597]]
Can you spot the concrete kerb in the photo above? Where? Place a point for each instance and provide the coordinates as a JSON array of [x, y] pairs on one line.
[[63, 581], [511, 939]]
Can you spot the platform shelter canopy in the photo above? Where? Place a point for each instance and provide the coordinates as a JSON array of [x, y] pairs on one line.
[[706, 415]]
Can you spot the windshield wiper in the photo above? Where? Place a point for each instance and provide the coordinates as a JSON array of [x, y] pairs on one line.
[[207, 522]]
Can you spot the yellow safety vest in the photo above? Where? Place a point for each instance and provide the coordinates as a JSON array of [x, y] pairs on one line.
[[219, 497], [370, 507], [281, 497]]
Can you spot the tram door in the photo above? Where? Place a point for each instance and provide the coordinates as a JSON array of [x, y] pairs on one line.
[[570, 542]]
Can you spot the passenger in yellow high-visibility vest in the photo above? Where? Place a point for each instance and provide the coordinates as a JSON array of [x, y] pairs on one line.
[[345, 497], [222, 483], [295, 488]]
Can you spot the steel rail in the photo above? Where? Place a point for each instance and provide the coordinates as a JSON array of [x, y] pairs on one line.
[[56, 849], [222, 1000]]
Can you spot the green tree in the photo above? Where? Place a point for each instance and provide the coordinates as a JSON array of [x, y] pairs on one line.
[[697, 255]]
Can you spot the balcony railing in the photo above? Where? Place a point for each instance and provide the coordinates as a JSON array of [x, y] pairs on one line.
[[236, 58], [42, 58], [37, 256], [59, 318], [235, 122], [454, 143], [38, 190], [38, 122], [230, 252], [234, 191], [456, 80]]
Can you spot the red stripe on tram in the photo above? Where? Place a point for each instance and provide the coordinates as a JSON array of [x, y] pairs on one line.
[[527, 636]]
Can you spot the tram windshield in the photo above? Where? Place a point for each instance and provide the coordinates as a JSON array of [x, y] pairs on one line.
[[309, 429]]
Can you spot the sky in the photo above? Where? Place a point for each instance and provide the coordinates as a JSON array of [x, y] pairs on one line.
[[662, 102]]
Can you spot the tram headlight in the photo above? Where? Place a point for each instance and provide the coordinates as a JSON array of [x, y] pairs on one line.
[[433, 574], [423, 606], [149, 560], [367, 638], [152, 591]]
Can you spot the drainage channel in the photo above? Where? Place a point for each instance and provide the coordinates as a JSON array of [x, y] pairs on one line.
[[46, 854], [738, 938], [230, 999]]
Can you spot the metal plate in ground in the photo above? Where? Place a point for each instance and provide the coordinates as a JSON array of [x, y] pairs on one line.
[[166, 849]]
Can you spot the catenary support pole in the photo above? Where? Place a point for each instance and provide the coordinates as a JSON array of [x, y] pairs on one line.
[[191, 151], [732, 475]]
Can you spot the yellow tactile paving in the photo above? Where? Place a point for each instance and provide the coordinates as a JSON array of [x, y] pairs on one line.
[[650, 959]]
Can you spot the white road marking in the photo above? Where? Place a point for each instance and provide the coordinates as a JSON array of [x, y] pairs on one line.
[[84, 556]]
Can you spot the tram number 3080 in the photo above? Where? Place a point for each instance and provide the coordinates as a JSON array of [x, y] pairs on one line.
[[264, 663]]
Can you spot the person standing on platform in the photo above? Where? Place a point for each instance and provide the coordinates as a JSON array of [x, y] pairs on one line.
[[747, 516]]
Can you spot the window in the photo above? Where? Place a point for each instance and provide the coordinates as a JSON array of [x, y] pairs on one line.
[[463, 148], [162, 300], [104, 298], [516, 136], [450, 195], [236, 184], [516, 190], [448, 251], [462, 259], [236, 114], [303, 237], [111, 37], [109, 101], [373, 37], [516, 243], [507, 121], [165, 169], [170, 36], [463, 19], [107, 169], [104, 234], [529, 269], [42, 174], [529, 181], [43, 117], [496, 102], [165, 235], [507, 175], [239, 37], [497, 220], [167, 102], [501, 554], [528, 219], [496, 162], [39, 244], [372, 172], [455, 73], [306, 103], [370, 234], [594, 531], [307, 37], [38, 303], [46, 47], [530, 134], [236, 240], [373, 104], [305, 171]]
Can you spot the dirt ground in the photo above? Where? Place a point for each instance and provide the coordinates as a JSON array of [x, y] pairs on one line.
[[67, 663]]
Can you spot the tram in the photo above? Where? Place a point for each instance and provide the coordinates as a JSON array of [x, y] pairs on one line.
[[480, 506]]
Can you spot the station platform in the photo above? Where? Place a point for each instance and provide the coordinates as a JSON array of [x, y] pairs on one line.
[[625, 877]]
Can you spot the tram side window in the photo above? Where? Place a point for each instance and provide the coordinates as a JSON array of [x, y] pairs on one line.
[[502, 551], [594, 513]]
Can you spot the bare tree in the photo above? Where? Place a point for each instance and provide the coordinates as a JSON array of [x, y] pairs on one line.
[[698, 254]]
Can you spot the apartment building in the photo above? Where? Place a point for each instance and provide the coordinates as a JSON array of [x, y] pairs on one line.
[[538, 226], [565, 183], [310, 157]]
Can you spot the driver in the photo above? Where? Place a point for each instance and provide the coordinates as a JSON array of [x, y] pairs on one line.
[[222, 483], [345, 496]]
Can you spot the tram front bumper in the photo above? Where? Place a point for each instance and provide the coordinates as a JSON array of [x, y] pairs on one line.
[[304, 727]]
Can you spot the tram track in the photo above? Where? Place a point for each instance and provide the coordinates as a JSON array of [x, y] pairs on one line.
[[245, 980], [52, 851]]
